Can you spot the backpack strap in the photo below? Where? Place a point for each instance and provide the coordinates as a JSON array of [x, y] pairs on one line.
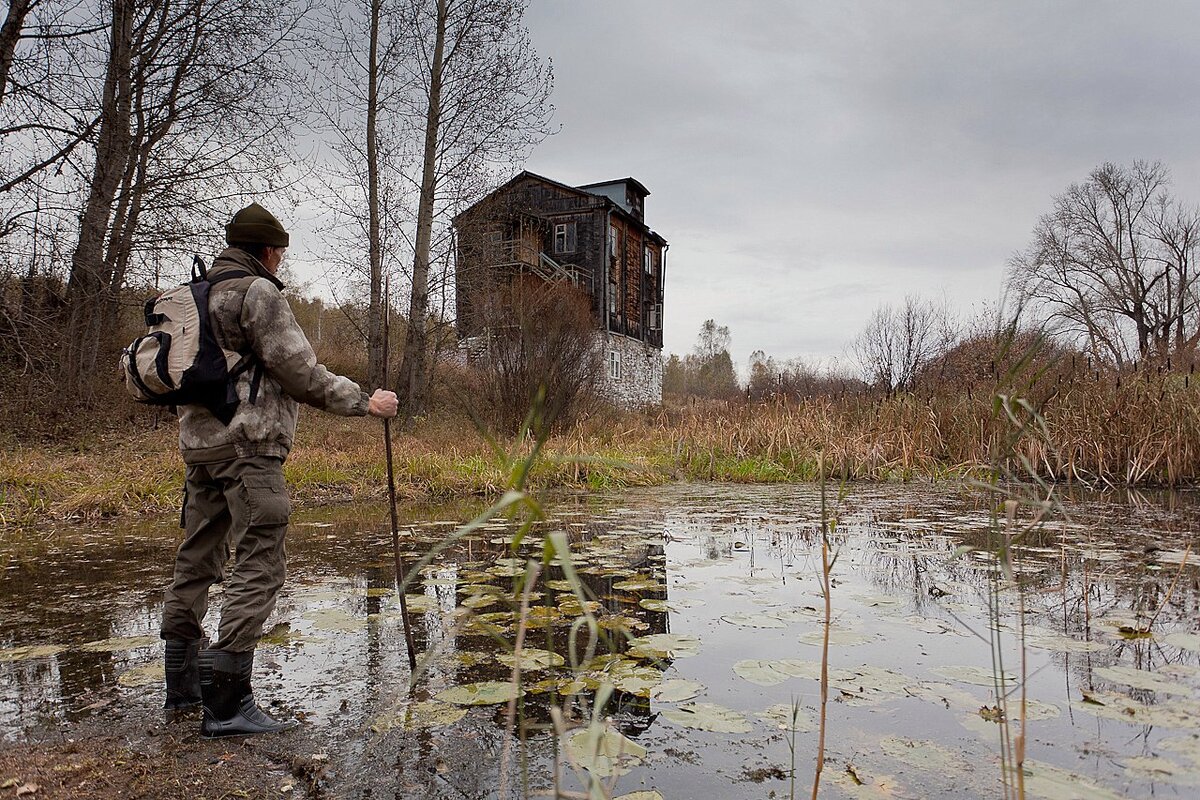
[[228, 275], [248, 360]]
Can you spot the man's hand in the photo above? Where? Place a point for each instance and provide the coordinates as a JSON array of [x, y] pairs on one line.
[[383, 404]]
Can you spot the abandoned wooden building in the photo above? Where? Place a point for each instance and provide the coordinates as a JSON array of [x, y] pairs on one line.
[[594, 237]]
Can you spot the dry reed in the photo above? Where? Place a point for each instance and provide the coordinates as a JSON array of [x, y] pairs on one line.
[[1106, 431]]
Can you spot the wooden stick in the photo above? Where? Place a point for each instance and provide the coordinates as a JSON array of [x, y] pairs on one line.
[[401, 577]]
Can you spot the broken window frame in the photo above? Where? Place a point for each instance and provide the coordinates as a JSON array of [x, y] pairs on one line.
[[564, 237], [654, 317]]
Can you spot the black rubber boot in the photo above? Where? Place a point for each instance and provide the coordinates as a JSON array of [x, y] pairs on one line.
[[183, 673], [229, 707]]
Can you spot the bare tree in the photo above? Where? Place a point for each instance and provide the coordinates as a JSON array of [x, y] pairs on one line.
[[897, 342], [10, 35], [1109, 266], [539, 338], [483, 101], [151, 125], [361, 92]]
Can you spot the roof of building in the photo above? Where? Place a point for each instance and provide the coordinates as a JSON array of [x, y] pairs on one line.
[[634, 181], [579, 190]]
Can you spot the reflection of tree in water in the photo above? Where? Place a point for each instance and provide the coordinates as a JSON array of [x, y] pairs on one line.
[[430, 764], [1099, 565], [907, 550], [67, 589]]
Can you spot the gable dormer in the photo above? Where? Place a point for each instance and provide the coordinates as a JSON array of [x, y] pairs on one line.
[[628, 193]]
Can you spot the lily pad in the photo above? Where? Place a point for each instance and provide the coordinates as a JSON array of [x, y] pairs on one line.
[[788, 718], [639, 585], [145, 675], [707, 717], [419, 715], [754, 620], [837, 636], [1065, 644], [634, 678], [925, 755], [1161, 770], [1184, 641], [571, 607], [762, 672], [1181, 714], [420, 603], [622, 624], [119, 644], [664, 645], [930, 625], [334, 619], [472, 658], [603, 751], [480, 600], [1186, 746], [532, 659], [876, 599], [479, 694], [976, 676], [1055, 783], [1141, 679], [30, 652], [650, 604], [676, 691], [646, 795]]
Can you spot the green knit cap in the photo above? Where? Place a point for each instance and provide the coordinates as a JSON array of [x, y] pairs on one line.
[[255, 225]]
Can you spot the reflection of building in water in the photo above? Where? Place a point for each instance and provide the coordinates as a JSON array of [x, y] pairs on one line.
[[463, 605]]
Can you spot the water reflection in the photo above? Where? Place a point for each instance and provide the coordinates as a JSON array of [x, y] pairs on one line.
[[735, 567]]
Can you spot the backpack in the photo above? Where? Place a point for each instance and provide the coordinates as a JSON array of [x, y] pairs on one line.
[[179, 361]]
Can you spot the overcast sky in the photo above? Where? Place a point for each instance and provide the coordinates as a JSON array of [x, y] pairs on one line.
[[808, 161]]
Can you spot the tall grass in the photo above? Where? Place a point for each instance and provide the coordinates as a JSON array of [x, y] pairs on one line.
[[1095, 428]]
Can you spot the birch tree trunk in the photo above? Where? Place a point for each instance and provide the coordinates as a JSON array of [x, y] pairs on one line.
[[89, 283], [10, 35], [376, 370], [413, 381]]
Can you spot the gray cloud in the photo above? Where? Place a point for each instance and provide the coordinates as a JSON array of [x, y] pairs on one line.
[[808, 161]]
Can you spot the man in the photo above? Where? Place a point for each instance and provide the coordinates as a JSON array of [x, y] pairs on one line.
[[236, 499]]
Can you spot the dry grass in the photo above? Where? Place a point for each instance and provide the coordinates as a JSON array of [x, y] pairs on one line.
[[1143, 430]]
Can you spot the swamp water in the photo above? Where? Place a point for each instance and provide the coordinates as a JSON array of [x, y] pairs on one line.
[[709, 607]]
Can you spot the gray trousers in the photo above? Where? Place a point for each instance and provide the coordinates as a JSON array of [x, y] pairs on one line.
[[240, 506]]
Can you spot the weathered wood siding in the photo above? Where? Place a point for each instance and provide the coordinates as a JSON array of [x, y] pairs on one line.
[[622, 293]]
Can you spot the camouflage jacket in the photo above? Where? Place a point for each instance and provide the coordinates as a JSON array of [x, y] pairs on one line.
[[250, 315]]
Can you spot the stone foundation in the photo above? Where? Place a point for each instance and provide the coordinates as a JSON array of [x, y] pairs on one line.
[[638, 382]]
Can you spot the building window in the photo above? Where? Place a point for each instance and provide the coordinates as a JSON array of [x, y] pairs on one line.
[[612, 298], [614, 243], [648, 260], [614, 365], [564, 237], [655, 317]]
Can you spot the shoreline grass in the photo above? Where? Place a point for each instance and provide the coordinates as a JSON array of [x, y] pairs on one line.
[[1141, 433]]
